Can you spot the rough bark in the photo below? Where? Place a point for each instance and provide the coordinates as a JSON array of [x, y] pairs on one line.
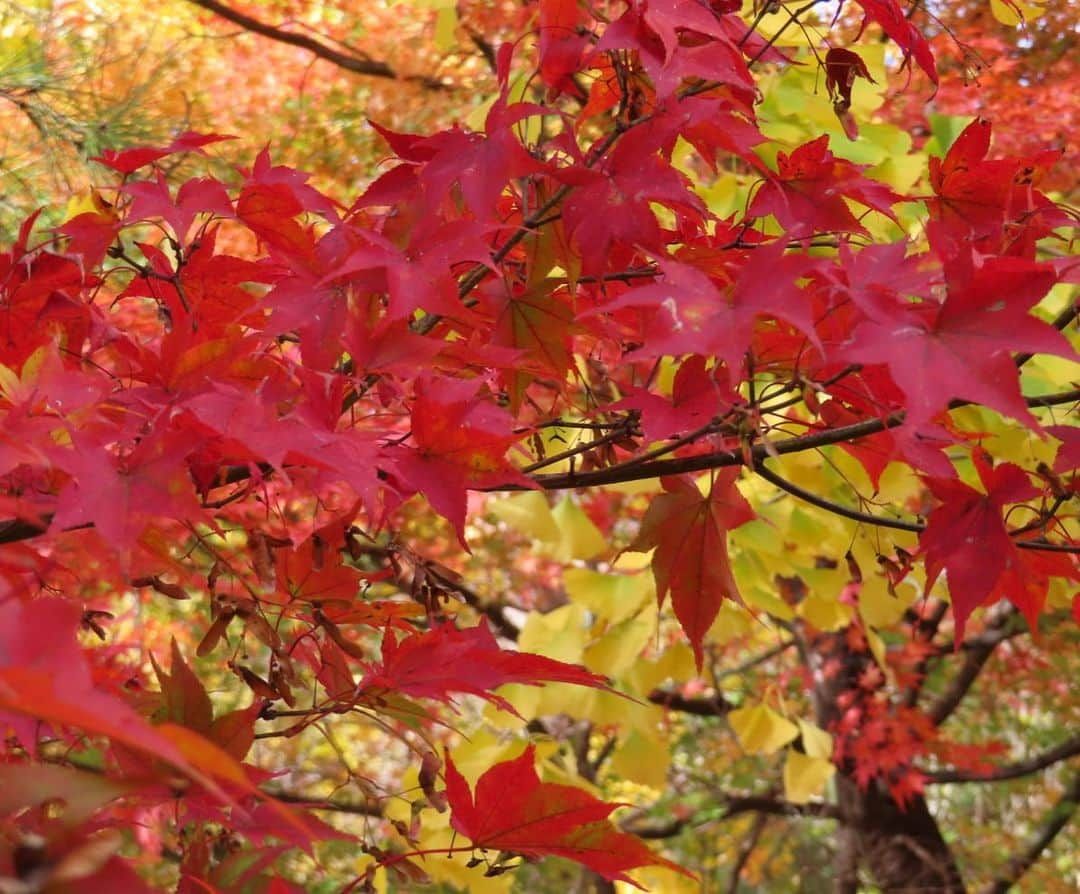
[[903, 850]]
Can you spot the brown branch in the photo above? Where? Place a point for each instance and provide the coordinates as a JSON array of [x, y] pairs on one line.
[[998, 630], [746, 848], [366, 809], [1067, 749], [884, 522], [13, 530], [1057, 818], [734, 805], [751, 663], [617, 474], [715, 706], [775, 807], [357, 64], [836, 508]]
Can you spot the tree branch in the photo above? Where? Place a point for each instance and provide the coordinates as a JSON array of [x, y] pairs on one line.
[[12, 530], [776, 807], [1067, 749], [998, 630], [759, 452], [715, 706], [1056, 819], [746, 848], [361, 65], [367, 809]]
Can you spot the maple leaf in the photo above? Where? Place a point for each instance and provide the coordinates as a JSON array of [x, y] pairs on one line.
[[693, 315], [45, 675], [697, 397], [153, 199], [538, 322], [809, 192], [966, 538], [126, 161], [609, 210], [480, 164], [184, 698], [688, 530], [891, 18], [461, 442], [512, 810], [445, 660], [677, 39], [560, 46], [842, 67], [976, 196], [962, 347]]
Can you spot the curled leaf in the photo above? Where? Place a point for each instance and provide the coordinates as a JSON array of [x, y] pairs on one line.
[[842, 67]]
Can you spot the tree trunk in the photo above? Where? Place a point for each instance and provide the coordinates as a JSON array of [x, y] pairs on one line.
[[902, 849]]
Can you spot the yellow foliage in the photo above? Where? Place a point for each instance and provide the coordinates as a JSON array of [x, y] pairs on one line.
[[528, 513], [1015, 12], [560, 634], [642, 759], [816, 742], [613, 597], [618, 649], [825, 612], [760, 729], [579, 538], [805, 777]]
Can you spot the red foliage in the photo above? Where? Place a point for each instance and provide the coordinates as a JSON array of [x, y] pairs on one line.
[[184, 420]]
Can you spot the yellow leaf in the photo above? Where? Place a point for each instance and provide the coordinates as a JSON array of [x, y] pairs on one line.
[[619, 648], [877, 606], [578, 702], [560, 634], [816, 742], [613, 597], [579, 537], [677, 663], [528, 513], [642, 759], [657, 878], [732, 621], [805, 777], [761, 730], [825, 612], [1014, 12], [445, 25], [877, 649]]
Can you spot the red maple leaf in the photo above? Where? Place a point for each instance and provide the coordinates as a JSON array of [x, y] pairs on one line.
[[689, 529], [962, 347], [445, 660], [128, 160], [461, 441], [893, 21], [992, 200], [44, 675], [966, 538], [810, 191], [512, 810], [698, 395], [122, 493], [561, 44]]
